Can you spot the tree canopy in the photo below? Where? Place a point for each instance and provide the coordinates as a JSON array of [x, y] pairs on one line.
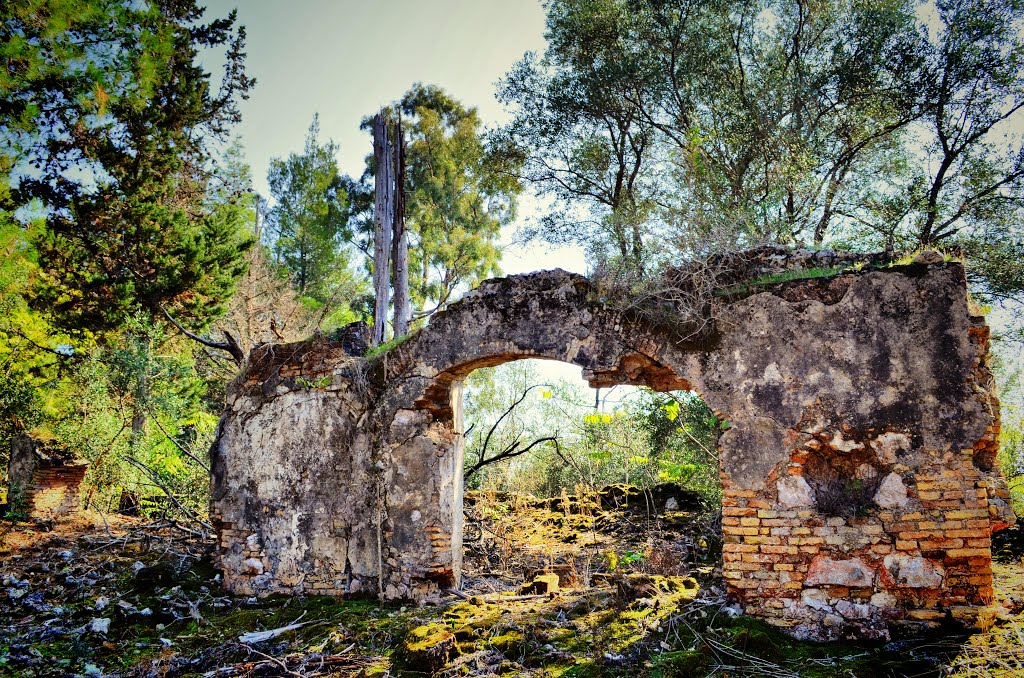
[[110, 148], [661, 125], [309, 217], [116, 204]]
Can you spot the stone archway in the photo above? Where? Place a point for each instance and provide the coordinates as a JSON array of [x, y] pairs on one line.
[[857, 475]]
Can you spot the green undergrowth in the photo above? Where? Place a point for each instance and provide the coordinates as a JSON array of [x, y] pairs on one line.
[[585, 633], [332, 626], [747, 647], [748, 286], [569, 634], [212, 639], [167, 617], [908, 258], [598, 633], [387, 346]]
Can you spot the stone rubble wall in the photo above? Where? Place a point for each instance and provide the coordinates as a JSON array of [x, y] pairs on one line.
[[292, 497], [859, 481], [858, 466]]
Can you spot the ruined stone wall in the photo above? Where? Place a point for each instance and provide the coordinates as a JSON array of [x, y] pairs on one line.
[[44, 483], [293, 485], [546, 315], [858, 468], [858, 473]]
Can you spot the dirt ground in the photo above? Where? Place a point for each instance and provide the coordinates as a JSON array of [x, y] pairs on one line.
[[608, 584]]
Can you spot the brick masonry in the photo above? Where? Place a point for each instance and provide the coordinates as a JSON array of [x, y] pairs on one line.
[[46, 482]]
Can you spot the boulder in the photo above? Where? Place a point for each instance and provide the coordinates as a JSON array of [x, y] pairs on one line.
[[794, 492]]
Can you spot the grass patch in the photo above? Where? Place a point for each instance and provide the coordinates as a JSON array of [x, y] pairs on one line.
[[908, 258], [387, 346], [748, 286]]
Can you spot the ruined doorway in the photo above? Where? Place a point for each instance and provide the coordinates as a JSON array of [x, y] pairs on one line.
[[559, 476]]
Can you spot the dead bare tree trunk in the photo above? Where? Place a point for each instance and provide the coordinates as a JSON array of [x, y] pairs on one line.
[[400, 240], [383, 220], [261, 215]]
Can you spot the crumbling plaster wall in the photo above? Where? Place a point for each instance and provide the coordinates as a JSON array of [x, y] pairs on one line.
[[857, 468], [293, 476], [858, 477]]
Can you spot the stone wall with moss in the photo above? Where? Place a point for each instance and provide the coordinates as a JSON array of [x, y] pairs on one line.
[[859, 483], [857, 467]]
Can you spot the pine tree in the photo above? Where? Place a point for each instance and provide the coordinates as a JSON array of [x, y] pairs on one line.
[[309, 219], [118, 137]]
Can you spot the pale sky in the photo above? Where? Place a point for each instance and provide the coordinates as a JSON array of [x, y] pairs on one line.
[[345, 59]]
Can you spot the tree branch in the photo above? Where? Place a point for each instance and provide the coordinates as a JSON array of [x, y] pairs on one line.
[[230, 346], [514, 405], [179, 445], [151, 474], [510, 452]]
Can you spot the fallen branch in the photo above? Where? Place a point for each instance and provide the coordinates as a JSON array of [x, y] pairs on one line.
[[180, 447], [307, 666], [260, 636], [498, 598], [514, 599], [280, 664], [170, 495]]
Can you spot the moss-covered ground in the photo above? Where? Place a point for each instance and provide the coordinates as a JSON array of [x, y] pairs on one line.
[[639, 597]]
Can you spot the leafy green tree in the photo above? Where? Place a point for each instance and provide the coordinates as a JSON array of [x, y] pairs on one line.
[[91, 412], [731, 123], [265, 307], [108, 215], [65, 66], [309, 218], [457, 198], [1007, 368], [577, 135], [962, 180], [682, 435], [736, 115]]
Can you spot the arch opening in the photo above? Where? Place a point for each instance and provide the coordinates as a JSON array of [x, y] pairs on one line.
[[563, 477]]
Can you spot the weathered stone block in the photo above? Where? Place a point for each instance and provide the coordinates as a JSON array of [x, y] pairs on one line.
[[892, 493], [794, 492], [852, 572], [913, 571]]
